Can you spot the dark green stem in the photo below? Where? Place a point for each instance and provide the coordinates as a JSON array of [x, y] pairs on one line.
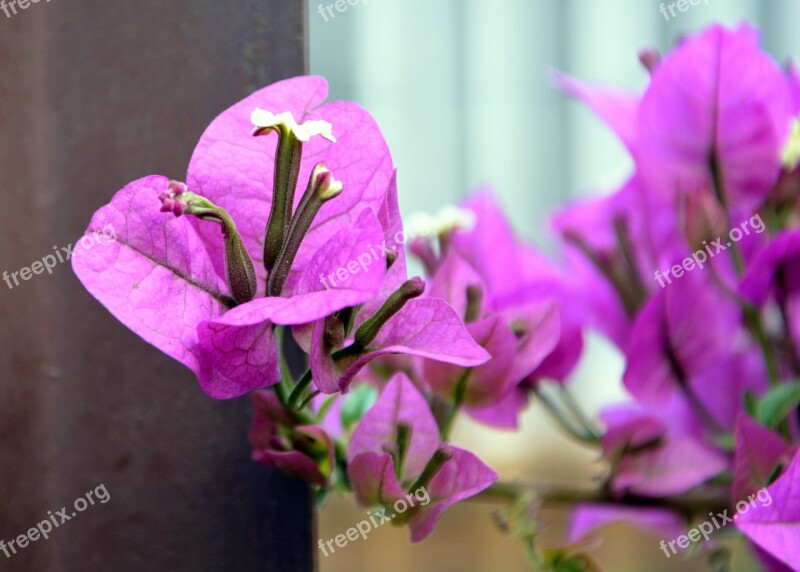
[[474, 302], [578, 413], [440, 457], [753, 319], [403, 439], [458, 399], [299, 390], [317, 193], [752, 315], [369, 330], [563, 421], [309, 399], [240, 273], [287, 169], [692, 503]]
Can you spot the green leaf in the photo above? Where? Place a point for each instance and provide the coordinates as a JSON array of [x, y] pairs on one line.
[[321, 497], [563, 560], [726, 441], [777, 404], [287, 379], [356, 404], [750, 403], [325, 407]]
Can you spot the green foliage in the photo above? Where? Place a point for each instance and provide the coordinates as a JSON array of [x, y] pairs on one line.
[[773, 408], [356, 404]]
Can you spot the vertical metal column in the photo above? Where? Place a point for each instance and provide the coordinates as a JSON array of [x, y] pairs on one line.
[[94, 94]]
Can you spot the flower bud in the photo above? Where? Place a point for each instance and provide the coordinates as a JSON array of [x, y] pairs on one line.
[[239, 270]]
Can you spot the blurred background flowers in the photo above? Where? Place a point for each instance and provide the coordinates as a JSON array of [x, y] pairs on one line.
[[463, 91]]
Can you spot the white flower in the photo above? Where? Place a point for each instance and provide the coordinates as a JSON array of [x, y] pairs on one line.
[[310, 128], [263, 119], [446, 220], [790, 156]]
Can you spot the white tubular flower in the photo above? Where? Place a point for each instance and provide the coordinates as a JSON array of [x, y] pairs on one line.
[[264, 120], [790, 155], [445, 221], [313, 127]]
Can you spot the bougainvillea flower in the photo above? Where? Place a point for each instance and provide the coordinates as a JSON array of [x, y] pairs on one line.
[[793, 77], [716, 100], [774, 526], [668, 353], [759, 452], [667, 348], [721, 386], [515, 354], [395, 452], [510, 298], [774, 273], [518, 339], [658, 451], [610, 246], [396, 321], [303, 451], [165, 276], [587, 518], [618, 108], [513, 276], [768, 562], [559, 283], [237, 171], [427, 328], [492, 247], [717, 111], [629, 426], [672, 467]]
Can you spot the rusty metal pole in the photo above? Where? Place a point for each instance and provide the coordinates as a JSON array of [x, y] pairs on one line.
[[94, 94]]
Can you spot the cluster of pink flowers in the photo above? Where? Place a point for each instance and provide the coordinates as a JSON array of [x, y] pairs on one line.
[[711, 360], [220, 271]]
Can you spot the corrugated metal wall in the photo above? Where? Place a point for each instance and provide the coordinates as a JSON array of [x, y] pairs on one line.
[[461, 87]]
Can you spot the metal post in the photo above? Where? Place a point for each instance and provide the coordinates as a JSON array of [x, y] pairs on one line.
[[94, 94]]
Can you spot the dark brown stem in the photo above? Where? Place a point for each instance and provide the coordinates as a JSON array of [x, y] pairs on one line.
[[695, 502]]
